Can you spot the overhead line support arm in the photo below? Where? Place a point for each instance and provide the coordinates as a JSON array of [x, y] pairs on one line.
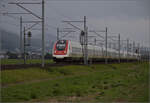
[[29, 11]]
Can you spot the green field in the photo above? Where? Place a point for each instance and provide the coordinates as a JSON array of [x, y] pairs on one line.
[[125, 82], [20, 61]]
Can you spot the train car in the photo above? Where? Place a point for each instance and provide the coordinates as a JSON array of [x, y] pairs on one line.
[[66, 50]]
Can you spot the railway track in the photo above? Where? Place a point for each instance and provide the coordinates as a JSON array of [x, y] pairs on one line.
[[25, 66]]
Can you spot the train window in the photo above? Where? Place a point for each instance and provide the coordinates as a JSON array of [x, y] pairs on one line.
[[61, 45]]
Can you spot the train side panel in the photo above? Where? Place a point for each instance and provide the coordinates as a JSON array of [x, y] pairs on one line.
[[66, 50]]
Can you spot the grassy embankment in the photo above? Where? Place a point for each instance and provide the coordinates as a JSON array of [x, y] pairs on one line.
[[20, 61], [125, 82]]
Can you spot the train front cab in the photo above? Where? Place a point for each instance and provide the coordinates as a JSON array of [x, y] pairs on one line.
[[60, 50]]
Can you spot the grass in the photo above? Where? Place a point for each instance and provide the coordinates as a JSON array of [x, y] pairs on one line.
[[20, 61], [125, 82], [16, 76], [31, 74]]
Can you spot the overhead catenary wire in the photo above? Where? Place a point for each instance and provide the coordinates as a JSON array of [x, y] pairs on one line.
[[10, 23], [17, 18], [59, 13]]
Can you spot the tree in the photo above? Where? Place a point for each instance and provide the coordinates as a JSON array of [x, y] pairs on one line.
[[11, 55], [48, 56]]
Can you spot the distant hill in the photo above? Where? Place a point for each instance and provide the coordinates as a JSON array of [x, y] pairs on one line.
[[11, 42]]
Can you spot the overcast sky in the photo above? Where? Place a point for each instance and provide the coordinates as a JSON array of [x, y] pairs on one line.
[[130, 18]]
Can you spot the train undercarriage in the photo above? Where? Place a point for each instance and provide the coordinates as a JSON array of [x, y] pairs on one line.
[[92, 60]]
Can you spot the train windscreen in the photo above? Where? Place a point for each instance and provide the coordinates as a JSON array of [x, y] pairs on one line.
[[61, 45]]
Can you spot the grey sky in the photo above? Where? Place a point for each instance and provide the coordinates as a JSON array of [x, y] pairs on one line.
[[129, 18]]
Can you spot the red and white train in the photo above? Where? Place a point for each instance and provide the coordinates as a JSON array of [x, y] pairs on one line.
[[66, 50]]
